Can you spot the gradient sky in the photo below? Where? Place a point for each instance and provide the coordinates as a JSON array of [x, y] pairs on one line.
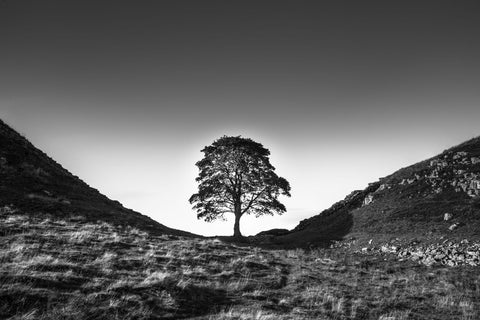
[[125, 94]]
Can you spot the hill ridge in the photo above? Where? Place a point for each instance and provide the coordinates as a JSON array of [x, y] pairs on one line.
[[34, 182], [410, 202]]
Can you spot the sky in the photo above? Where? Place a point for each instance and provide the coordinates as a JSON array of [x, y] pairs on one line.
[[125, 94]]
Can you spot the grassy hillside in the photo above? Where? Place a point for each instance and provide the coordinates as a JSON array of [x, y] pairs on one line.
[[68, 252], [70, 268], [410, 203], [34, 183]]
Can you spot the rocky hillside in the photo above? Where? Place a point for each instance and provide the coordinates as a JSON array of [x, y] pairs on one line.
[[34, 183], [433, 200]]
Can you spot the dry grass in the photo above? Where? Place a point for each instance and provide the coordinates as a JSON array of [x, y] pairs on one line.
[[71, 269]]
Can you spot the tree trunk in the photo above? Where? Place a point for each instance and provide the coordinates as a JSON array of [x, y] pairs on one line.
[[236, 227]]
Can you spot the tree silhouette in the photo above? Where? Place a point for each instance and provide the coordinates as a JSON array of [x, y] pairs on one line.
[[236, 177]]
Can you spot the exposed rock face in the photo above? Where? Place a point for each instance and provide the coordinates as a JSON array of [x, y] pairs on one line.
[[454, 170], [382, 187], [368, 199]]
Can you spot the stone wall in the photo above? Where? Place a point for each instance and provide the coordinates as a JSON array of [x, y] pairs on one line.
[[446, 253]]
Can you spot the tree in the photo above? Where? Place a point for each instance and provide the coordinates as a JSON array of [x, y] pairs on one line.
[[236, 177]]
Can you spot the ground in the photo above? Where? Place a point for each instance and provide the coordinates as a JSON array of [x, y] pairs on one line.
[[71, 268]]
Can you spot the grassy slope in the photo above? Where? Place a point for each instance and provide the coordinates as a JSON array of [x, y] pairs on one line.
[[33, 182], [401, 210], [74, 269], [68, 252]]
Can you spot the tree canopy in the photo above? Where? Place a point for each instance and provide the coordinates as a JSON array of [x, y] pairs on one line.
[[236, 177]]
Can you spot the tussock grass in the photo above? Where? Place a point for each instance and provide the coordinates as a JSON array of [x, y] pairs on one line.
[[71, 269], [243, 314]]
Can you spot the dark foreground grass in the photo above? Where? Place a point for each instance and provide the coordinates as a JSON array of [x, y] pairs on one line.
[[73, 269]]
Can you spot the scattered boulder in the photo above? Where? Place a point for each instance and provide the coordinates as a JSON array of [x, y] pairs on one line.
[[382, 187], [447, 216], [475, 184], [459, 155], [453, 226], [325, 261], [368, 199], [389, 249]]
